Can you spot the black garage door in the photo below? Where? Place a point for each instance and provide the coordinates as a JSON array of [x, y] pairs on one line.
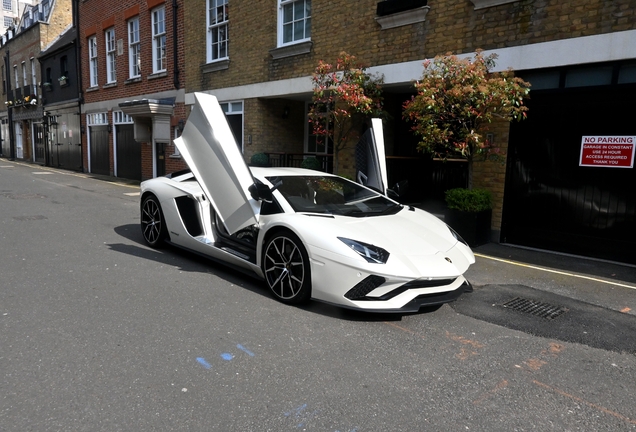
[[128, 153], [553, 203], [99, 150]]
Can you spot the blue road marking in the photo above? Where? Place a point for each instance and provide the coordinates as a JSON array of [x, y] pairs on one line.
[[227, 356], [204, 363], [242, 348]]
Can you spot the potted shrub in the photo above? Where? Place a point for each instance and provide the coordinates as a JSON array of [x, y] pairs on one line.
[[259, 160], [311, 163], [469, 213]]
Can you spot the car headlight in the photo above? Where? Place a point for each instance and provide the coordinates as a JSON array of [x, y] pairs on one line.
[[457, 236], [371, 253]]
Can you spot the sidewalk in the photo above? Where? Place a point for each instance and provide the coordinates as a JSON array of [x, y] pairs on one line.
[[605, 284]]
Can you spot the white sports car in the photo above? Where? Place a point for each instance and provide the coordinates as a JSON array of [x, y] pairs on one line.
[[308, 234]]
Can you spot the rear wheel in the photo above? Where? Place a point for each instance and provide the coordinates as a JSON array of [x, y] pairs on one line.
[[153, 226], [286, 268]]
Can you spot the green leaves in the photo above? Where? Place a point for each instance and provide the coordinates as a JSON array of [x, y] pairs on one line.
[[456, 98]]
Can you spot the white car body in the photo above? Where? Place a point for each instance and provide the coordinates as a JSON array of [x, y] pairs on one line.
[[213, 211]]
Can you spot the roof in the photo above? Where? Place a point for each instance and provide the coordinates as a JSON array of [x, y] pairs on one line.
[[65, 39]]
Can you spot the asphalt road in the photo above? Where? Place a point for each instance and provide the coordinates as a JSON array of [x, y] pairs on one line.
[[100, 333]]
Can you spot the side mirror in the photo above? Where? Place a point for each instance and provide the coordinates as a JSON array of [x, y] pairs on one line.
[[261, 192], [398, 190]]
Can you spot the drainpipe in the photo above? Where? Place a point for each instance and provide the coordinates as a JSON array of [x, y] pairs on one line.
[[10, 110], [78, 69], [175, 54]]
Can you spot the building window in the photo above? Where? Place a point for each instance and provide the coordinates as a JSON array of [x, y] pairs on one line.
[[294, 21], [134, 53], [218, 38], [6, 5], [15, 74], [8, 21], [34, 83], [111, 71], [234, 115], [159, 40], [92, 58], [4, 80], [24, 75], [97, 119]]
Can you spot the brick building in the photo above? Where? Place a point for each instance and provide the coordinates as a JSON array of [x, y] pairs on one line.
[[21, 113], [258, 61], [132, 69]]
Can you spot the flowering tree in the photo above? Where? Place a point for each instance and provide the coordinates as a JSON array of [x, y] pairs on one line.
[[343, 96], [457, 99]]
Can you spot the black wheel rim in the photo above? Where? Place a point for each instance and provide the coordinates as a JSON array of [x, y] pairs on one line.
[[151, 221], [284, 268]]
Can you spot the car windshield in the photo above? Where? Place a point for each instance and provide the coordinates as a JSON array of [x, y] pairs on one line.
[[332, 195]]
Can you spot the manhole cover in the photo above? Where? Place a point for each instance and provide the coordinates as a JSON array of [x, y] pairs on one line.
[[536, 308]]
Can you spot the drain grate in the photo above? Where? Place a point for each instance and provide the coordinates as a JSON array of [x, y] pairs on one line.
[[542, 310]]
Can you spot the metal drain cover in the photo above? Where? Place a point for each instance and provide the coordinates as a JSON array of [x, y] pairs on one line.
[[536, 308]]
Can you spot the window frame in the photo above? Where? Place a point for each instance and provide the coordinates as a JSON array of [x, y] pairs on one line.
[[228, 109], [111, 55], [282, 5], [24, 75], [5, 3], [159, 48], [92, 61], [134, 48], [34, 82], [215, 29]]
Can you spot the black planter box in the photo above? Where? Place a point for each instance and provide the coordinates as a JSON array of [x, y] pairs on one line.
[[473, 227], [388, 7]]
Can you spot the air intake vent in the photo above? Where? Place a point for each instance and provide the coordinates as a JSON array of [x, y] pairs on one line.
[[363, 288]]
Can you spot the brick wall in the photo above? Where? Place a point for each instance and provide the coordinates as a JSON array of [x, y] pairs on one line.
[[450, 26], [98, 16]]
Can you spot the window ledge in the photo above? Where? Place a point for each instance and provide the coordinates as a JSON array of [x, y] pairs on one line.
[[291, 50], [403, 18], [91, 89], [175, 156], [482, 4], [133, 80], [109, 85], [158, 75], [215, 66]]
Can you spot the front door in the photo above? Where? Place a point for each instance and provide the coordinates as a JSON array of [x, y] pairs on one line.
[[19, 149], [160, 161], [38, 143]]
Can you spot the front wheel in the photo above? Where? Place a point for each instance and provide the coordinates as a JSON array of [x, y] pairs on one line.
[[153, 226], [286, 268]]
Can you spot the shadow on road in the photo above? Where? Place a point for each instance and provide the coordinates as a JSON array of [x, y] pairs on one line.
[[191, 262]]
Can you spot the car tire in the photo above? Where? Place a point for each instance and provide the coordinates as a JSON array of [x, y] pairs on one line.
[[153, 226], [286, 268]]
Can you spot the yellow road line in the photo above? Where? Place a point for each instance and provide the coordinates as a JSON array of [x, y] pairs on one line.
[[555, 271]]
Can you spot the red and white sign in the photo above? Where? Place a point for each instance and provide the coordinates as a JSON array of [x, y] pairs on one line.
[[607, 151]]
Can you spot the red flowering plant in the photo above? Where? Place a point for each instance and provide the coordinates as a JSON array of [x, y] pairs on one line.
[[344, 95], [457, 98]]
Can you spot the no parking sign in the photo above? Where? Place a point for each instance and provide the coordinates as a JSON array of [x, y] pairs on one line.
[[607, 151]]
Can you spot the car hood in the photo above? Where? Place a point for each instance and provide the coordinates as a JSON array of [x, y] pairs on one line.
[[411, 232]]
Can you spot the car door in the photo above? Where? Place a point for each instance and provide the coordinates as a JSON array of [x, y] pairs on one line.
[[370, 158], [208, 147]]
